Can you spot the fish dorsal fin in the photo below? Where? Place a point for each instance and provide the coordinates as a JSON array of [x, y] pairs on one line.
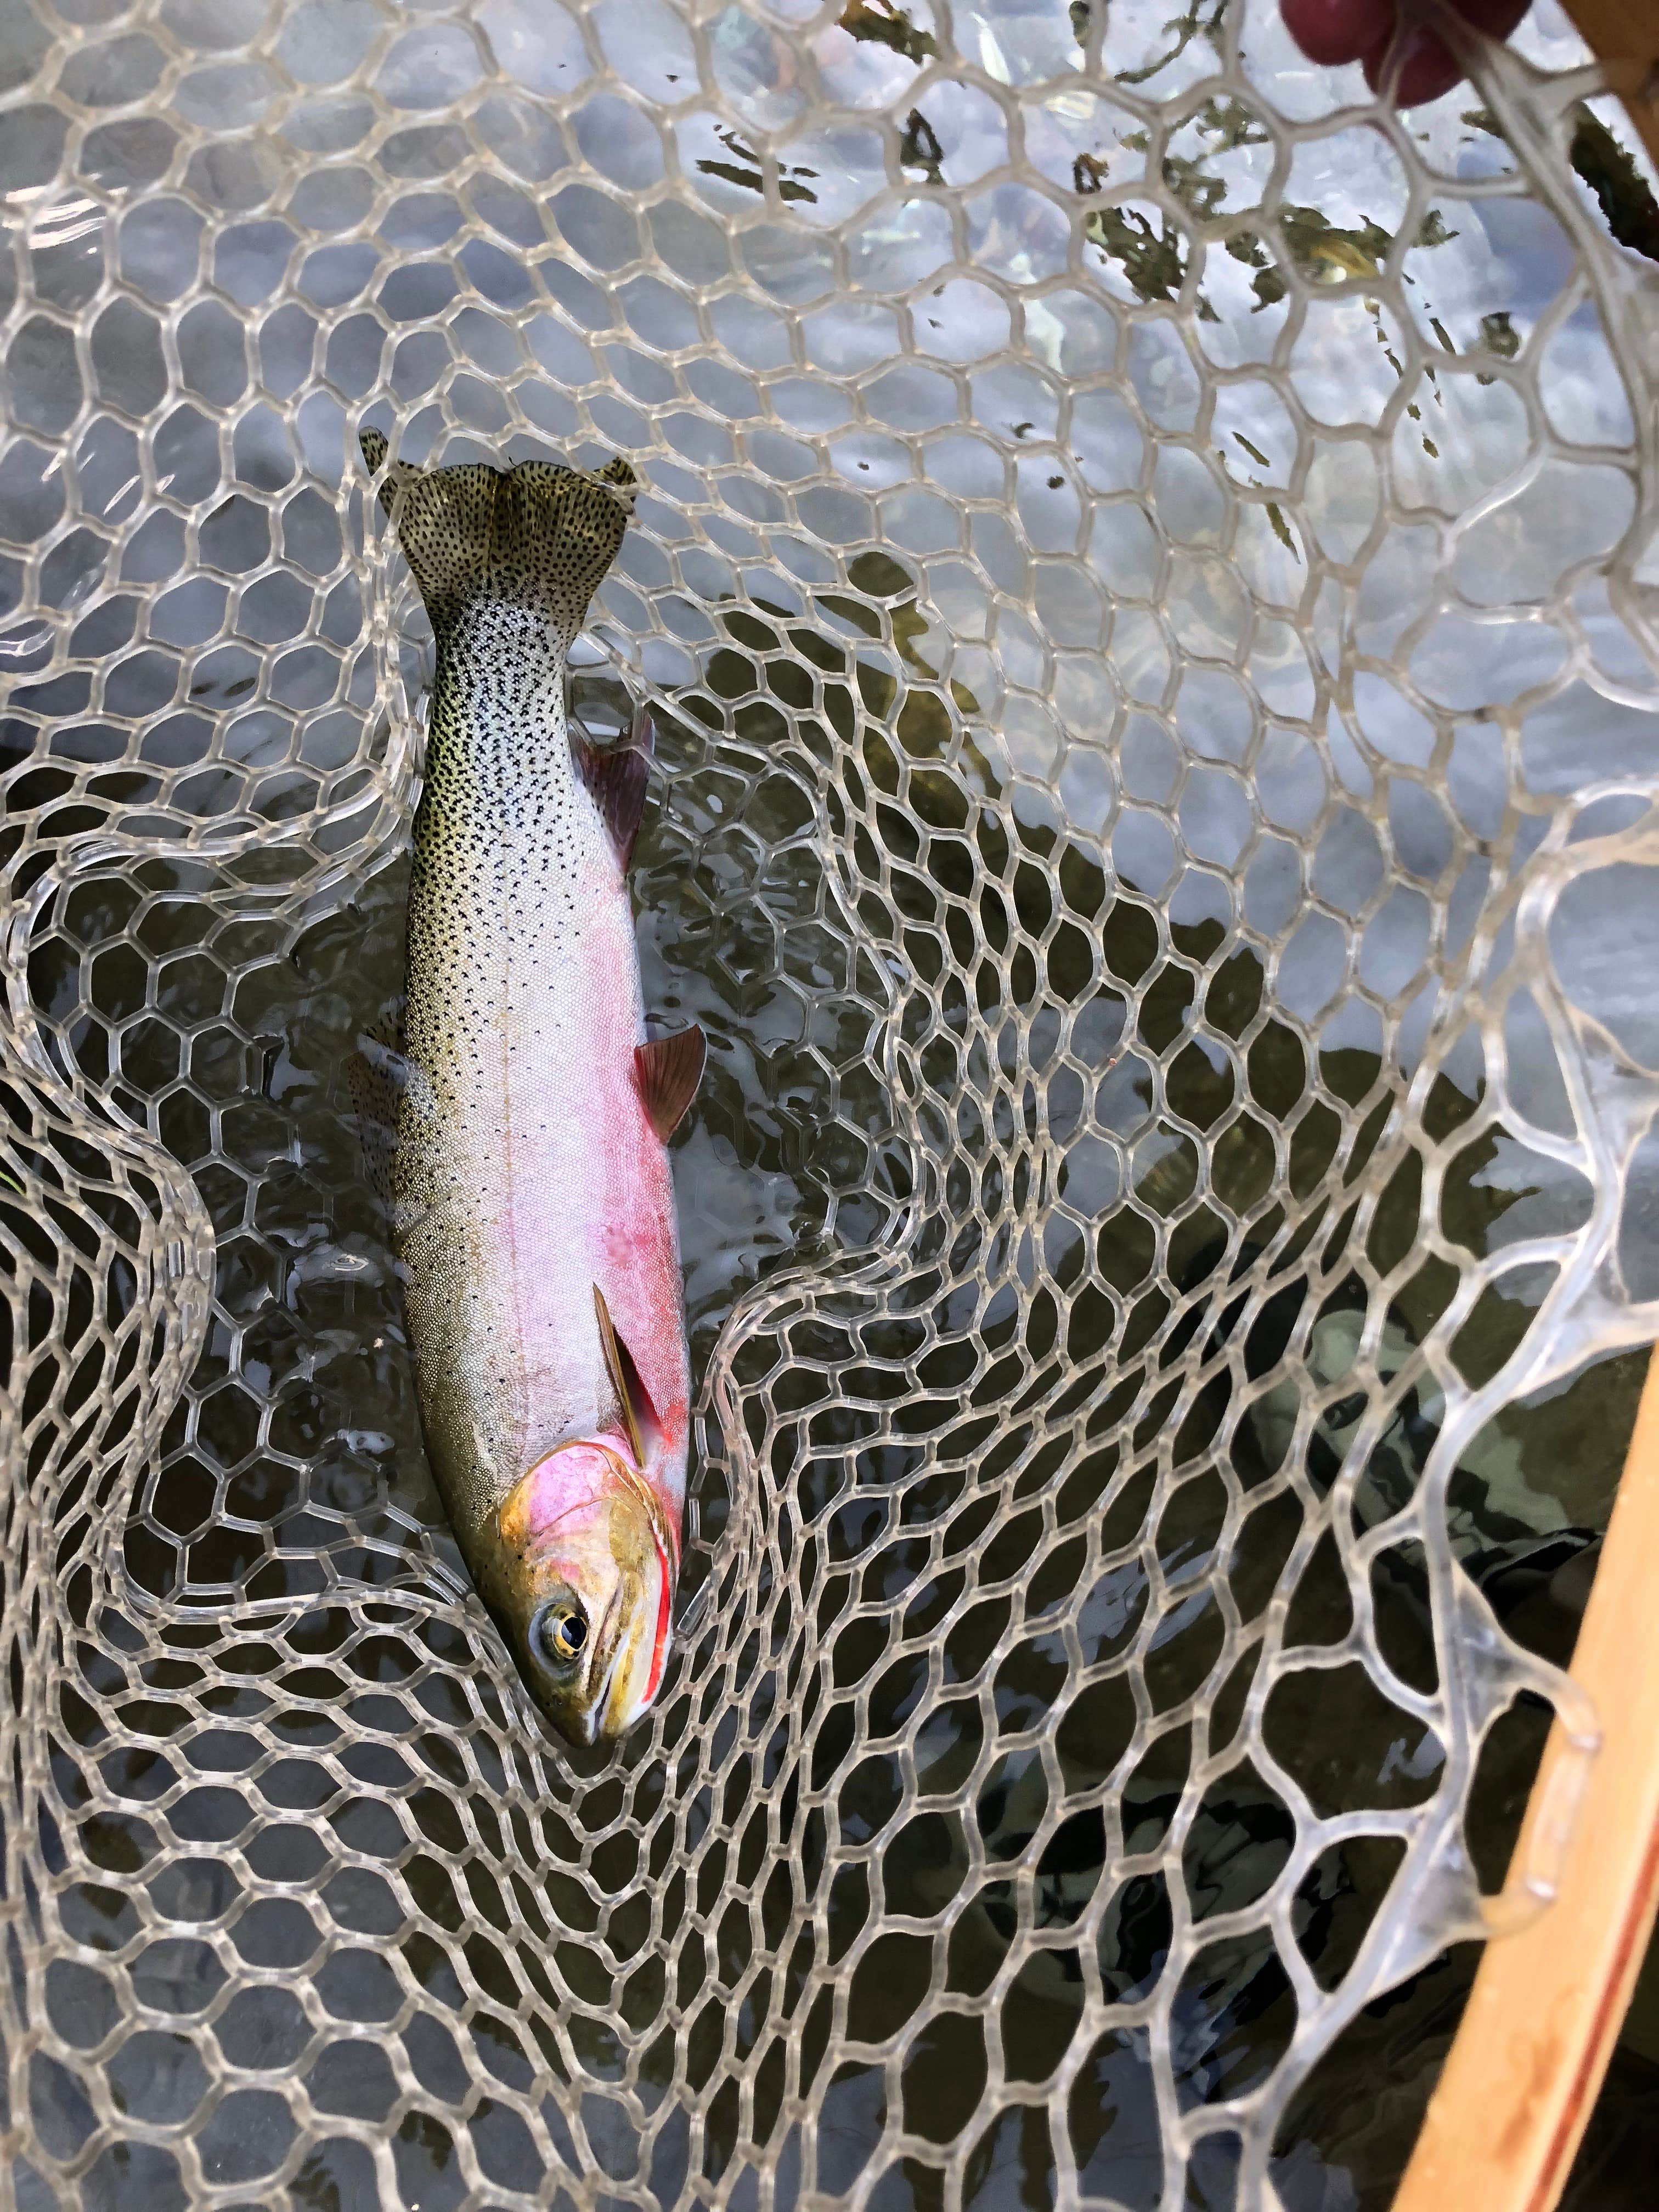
[[616, 1367], [616, 775], [377, 1075], [667, 1073]]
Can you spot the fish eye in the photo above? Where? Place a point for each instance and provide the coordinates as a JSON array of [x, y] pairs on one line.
[[560, 1630]]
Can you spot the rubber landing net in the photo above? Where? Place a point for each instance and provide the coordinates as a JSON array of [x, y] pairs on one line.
[[1142, 579]]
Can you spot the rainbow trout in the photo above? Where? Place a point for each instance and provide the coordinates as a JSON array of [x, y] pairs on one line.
[[515, 1115]]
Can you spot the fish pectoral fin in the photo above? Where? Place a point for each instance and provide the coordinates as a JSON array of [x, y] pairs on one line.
[[617, 1364], [667, 1073], [616, 775]]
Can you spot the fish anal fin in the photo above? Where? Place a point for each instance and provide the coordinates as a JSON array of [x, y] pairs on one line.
[[616, 775], [667, 1073]]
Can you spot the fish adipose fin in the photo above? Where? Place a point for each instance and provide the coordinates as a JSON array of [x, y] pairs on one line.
[[667, 1073], [535, 536], [616, 775]]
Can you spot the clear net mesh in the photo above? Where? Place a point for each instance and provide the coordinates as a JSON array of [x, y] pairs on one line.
[[1141, 579]]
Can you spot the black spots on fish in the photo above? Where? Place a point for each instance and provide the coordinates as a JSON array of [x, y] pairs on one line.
[[537, 537]]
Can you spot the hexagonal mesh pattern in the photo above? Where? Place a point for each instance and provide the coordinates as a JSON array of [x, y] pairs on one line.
[[1141, 579]]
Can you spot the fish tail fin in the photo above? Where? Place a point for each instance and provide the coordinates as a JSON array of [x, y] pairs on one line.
[[536, 536]]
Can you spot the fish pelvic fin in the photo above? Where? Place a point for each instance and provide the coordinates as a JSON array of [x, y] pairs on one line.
[[617, 775], [535, 536], [667, 1073]]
